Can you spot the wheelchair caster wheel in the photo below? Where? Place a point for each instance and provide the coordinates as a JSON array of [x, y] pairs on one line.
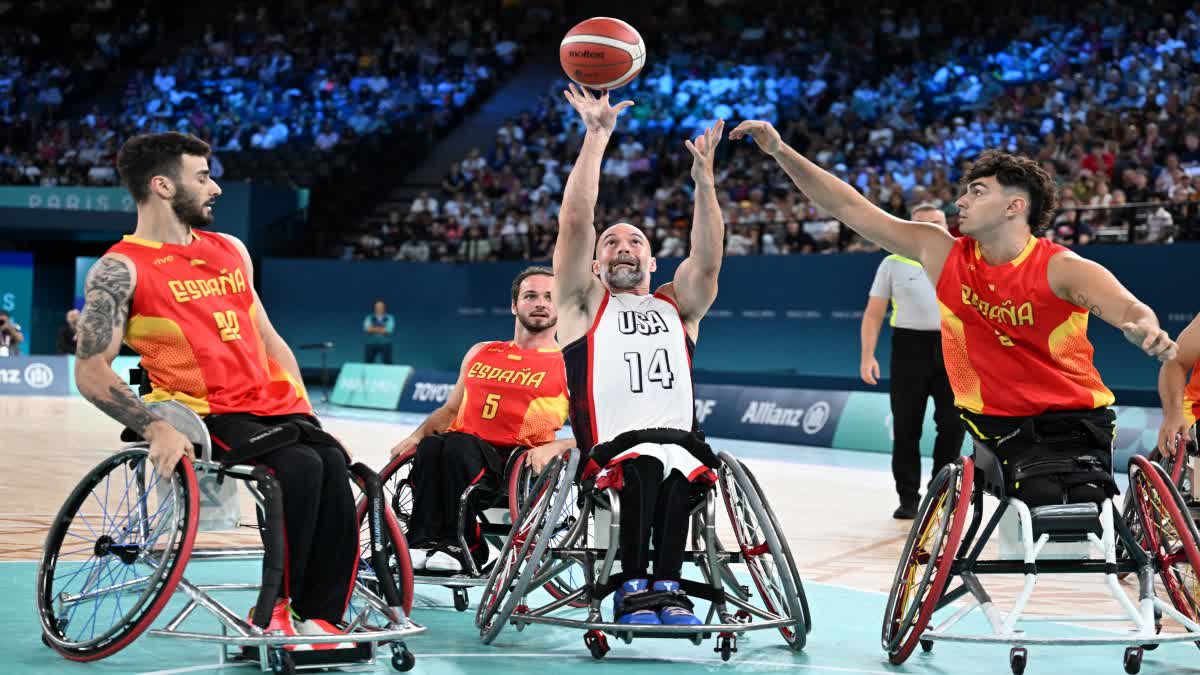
[[742, 616], [596, 643], [926, 646], [461, 600], [1017, 658], [1133, 660], [726, 645], [281, 662], [402, 659]]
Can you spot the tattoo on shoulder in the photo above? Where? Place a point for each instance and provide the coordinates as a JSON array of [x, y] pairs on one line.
[[1082, 300], [106, 305]]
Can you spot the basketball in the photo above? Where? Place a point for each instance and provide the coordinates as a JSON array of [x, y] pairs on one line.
[[602, 53]]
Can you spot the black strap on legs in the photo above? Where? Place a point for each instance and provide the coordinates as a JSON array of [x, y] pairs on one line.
[[274, 546], [655, 600], [692, 441]]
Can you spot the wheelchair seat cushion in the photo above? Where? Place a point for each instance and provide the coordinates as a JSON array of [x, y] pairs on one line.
[[1060, 519]]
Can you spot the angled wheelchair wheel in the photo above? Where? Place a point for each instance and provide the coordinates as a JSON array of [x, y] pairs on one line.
[[927, 559], [570, 530], [524, 550], [1174, 468], [395, 550], [115, 553], [764, 549], [397, 486], [1168, 533]]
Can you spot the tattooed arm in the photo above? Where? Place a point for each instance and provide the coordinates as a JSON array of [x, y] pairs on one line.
[[1091, 286], [107, 294]]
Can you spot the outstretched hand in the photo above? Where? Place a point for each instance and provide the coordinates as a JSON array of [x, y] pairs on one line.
[[596, 113], [703, 149], [763, 133], [1151, 339]]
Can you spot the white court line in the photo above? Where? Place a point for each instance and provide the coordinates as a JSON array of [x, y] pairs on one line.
[[662, 659], [493, 654]]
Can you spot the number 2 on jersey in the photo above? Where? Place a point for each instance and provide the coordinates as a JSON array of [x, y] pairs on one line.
[[659, 370], [227, 325]]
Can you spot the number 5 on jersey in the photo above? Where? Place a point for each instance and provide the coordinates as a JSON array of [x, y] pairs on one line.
[[490, 405], [658, 371]]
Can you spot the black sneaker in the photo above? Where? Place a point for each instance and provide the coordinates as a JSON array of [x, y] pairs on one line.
[[905, 512]]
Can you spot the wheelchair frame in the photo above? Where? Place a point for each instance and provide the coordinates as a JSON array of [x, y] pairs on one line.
[[493, 530], [527, 562], [381, 619], [949, 554]]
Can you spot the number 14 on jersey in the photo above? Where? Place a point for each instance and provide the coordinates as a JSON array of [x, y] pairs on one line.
[[658, 370]]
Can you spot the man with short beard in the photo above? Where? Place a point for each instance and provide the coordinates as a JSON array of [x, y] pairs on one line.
[[509, 395], [629, 364], [185, 300]]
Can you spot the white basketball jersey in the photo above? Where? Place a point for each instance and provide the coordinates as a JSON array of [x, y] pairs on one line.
[[633, 370]]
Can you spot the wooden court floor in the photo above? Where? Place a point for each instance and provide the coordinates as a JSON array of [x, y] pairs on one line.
[[837, 520]]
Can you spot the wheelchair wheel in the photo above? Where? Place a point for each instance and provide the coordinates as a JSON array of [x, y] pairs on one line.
[[1168, 533], [397, 486], [115, 553], [764, 550], [928, 557], [524, 550], [570, 530], [395, 546], [1175, 467]]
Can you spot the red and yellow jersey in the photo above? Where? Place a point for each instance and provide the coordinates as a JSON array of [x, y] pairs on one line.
[[513, 397], [1191, 396], [192, 320], [1012, 347]]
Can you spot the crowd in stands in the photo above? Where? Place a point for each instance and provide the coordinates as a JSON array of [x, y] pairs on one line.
[[51, 51], [1105, 95], [268, 78]]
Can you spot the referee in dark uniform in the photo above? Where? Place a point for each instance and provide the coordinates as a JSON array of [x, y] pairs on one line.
[[917, 371]]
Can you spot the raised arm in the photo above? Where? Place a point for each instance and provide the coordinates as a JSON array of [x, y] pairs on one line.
[[107, 294], [1089, 284], [925, 242], [440, 420], [695, 284], [573, 249], [1172, 378]]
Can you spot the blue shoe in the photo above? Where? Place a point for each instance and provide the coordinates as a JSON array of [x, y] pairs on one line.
[[641, 616], [675, 616]]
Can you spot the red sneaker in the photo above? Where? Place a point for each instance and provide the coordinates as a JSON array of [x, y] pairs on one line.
[[281, 624]]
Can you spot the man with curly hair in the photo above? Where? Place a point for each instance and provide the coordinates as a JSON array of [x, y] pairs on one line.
[[1014, 312]]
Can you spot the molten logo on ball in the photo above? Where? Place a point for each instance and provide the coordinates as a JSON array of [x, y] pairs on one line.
[[602, 53]]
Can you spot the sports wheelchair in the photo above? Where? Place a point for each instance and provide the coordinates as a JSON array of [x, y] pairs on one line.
[[496, 514], [937, 551], [543, 546], [118, 548]]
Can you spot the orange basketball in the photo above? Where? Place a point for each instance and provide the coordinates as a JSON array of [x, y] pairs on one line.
[[602, 53]]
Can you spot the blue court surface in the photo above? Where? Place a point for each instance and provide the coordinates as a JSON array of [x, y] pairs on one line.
[[845, 636]]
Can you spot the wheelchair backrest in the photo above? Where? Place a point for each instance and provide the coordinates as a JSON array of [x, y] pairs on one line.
[[989, 472]]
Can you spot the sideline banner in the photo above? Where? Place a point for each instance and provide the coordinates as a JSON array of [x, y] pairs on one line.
[[34, 376], [848, 420], [370, 385], [427, 390]]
